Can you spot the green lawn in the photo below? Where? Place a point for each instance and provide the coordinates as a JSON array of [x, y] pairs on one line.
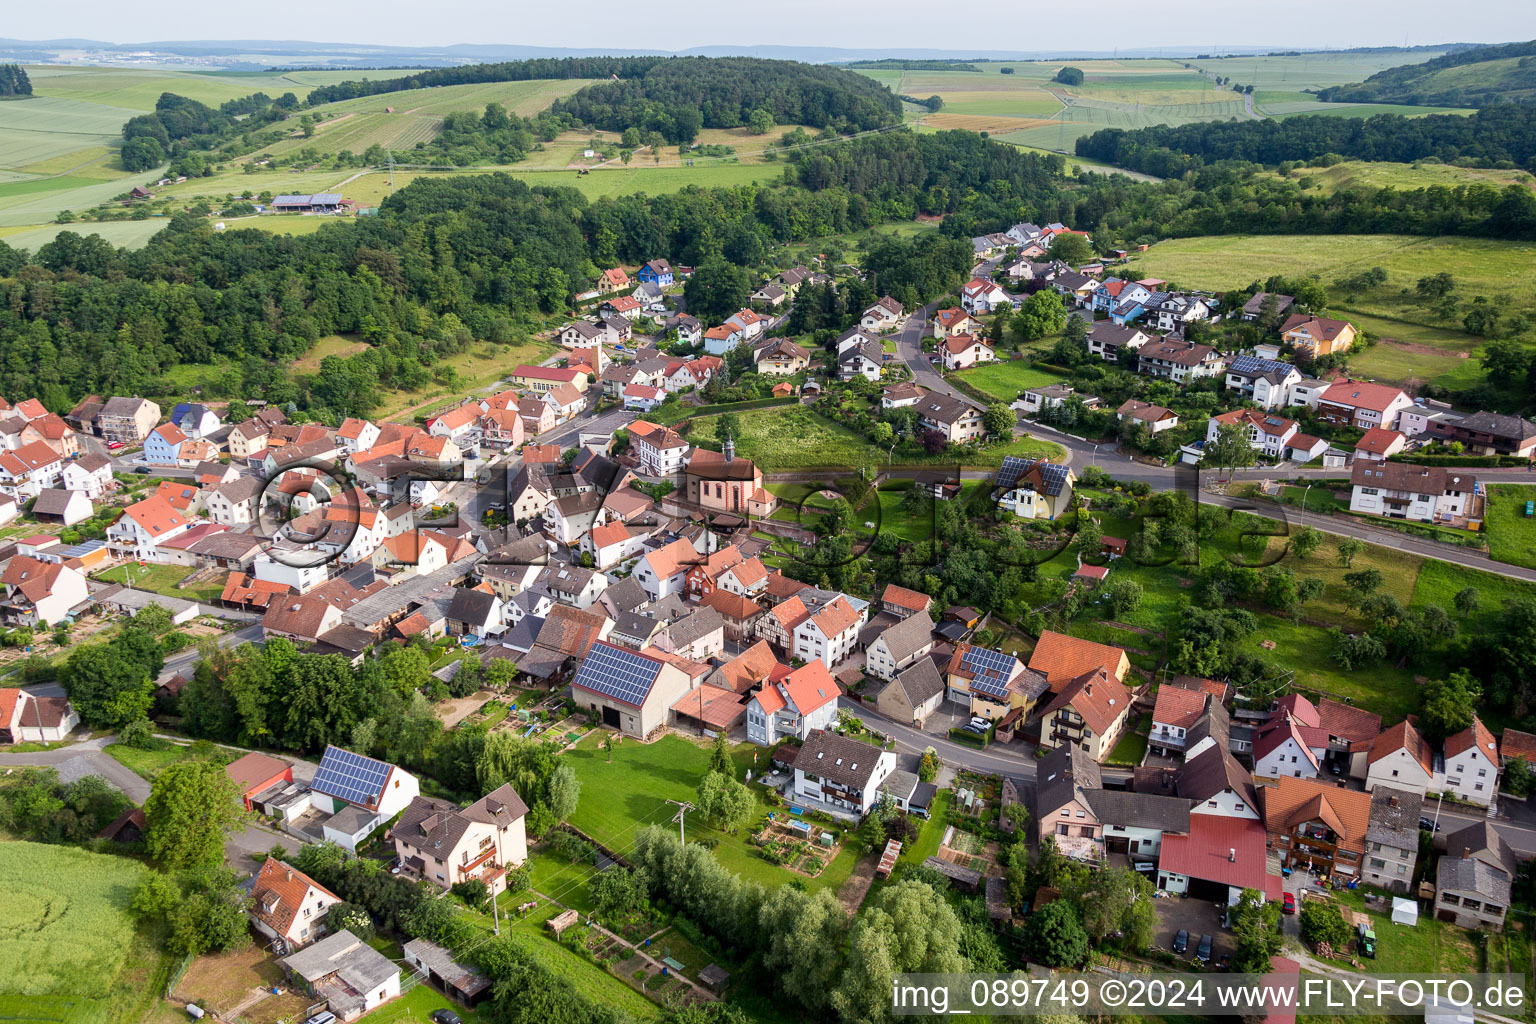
[[1130, 750], [162, 579], [417, 1006], [1430, 947], [150, 763], [1004, 380], [620, 798], [1511, 533]]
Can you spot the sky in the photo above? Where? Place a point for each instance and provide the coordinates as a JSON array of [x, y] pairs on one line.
[[1183, 25]]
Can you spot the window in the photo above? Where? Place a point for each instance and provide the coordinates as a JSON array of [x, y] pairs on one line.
[[1470, 904], [1450, 899], [1402, 869], [1482, 773], [1377, 863]]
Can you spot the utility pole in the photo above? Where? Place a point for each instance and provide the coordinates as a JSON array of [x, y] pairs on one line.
[[495, 916], [683, 807]]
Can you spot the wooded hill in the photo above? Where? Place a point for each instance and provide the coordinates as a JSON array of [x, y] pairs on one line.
[[676, 97], [1467, 78]]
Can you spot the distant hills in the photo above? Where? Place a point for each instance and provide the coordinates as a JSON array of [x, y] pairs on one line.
[[253, 54], [1476, 77]]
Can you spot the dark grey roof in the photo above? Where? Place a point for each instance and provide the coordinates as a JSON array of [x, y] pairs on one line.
[[1139, 810], [908, 636], [1470, 875], [1272, 370], [1014, 468], [471, 606], [1215, 723], [54, 501], [441, 963], [1255, 304], [635, 624], [922, 796], [942, 408], [838, 759], [627, 595], [1107, 332], [1484, 843], [435, 826], [1395, 818], [1063, 773], [920, 681], [358, 964], [1512, 427], [700, 624], [899, 784], [500, 807], [241, 488], [1211, 772]]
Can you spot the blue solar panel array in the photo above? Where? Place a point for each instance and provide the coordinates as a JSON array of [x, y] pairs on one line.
[[618, 673], [351, 777], [992, 669], [1253, 366]]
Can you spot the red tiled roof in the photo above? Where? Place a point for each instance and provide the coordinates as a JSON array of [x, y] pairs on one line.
[[1205, 852], [810, 686], [1477, 735], [1061, 658], [1402, 736], [901, 597], [279, 893], [1358, 394], [1378, 441], [1178, 707]]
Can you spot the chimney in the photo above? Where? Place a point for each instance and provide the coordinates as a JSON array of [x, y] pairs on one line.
[[289, 873], [1088, 690], [1393, 801], [1232, 855], [1466, 853]]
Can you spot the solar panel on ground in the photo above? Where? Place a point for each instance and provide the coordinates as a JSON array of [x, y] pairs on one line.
[[617, 673], [350, 777]]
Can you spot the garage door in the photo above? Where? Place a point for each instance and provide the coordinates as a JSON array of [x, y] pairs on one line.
[[1117, 844], [611, 716]]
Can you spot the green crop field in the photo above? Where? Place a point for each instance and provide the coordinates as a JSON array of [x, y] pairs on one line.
[[1511, 533], [1497, 269], [1309, 70], [64, 924], [131, 234]]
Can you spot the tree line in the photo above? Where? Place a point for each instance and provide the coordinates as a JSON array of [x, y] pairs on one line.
[[505, 71], [1505, 132]]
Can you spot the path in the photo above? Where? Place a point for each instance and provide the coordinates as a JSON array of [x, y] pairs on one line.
[[852, 892], [81, 759]]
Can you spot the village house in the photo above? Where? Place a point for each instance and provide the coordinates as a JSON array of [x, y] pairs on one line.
[[41, 594], [960, 351], [1062, 658], [195, 419], [979, 296], [747, 578], [55, 505], [1178, 361], [1399, 759], [954, 419], [1155, 418], [899, 396], [1107, 340], [864, 358], [1254, 306], [632, 691], [142, 527], [612, 280], [1090, 712], [794, 706], [1475, 878], [1353, 403], [348, 975], [901, 602], [1266, 432], [287, 906], [28, 718], [1317, 335], [1472, 764], [841, 775], [954, 320], [990, 683], [444, 844], [664, 572], [830, 633], [1480, 433], [1379, 444], [915, 693], [656, 272], [1317, 827], [747, 323], [90, 474], [884, 315], [898, 646], [781, 357], [1267, 383], [547, 378], [1392, 839], [1033, 488], [1173, 311], [661, 451], [127, 420], [29, 470], [1066, 775], [688, 329], [1426, 494]]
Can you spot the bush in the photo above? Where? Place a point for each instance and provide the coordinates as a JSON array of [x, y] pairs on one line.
[[474, 893], [138, 734]]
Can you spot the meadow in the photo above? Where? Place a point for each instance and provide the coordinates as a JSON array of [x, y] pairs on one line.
[[1511, 533], [1373, 174], [64, 926], [1004, 380]]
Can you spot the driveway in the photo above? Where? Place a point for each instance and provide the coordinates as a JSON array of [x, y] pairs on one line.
[[1198, 917], [81, 759]]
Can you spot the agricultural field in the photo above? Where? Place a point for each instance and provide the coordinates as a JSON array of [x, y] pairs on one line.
[[131, 234], [1410, 355], [66, 931], [1496, 269], [1369, 174], [1308, 70], [1511, 533]]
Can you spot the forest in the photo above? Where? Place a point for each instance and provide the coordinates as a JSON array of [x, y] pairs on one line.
[[1490, 137], [508, 71], [1406, 84], [14, 80], [180, 125], [677, 97]]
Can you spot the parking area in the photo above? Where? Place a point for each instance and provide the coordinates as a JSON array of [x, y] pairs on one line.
[[1198, 917]]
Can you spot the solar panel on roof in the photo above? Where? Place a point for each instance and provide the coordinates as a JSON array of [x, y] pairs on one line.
[[351, 777], [617, 673], [992, 669]]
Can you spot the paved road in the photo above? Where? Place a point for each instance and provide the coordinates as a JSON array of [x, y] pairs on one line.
[[81, 759], [184, 661]]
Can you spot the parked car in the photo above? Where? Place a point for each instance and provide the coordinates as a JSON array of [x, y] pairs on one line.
[[142, 470], [323, 1017], [1336, 766], [1289, 905], [444, 1017], [115, 445], [1181, 942], [1203, 951], [1428, 825]]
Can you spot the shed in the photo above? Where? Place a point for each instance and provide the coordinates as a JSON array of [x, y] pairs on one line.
[[715, 978], [1404, 911], [964, 877], [561, 921]]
